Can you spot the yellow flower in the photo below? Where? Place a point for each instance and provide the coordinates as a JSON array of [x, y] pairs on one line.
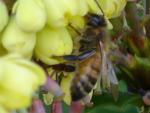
[[17, 41], [111, 8], [59, 11], [2, 110], [19, 78], [52, 43]]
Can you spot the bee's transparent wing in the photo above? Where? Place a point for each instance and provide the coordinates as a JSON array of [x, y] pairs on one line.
[[104, 76], [113, 81], [108, 77]]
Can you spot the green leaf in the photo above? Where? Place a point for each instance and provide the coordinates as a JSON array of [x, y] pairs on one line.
[[106, 104], [115, 109], [122, 86]]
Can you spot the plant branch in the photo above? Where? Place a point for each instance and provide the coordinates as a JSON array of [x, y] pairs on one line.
[[147, 24], [137, 34], [134, 19], [147, 6]]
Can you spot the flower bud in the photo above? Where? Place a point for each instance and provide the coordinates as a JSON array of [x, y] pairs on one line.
[[37, 106], [52, 87], [76, 107], [30, 15], [57, 107]]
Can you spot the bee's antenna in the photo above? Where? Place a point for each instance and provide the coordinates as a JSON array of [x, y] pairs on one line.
[[99, 7]]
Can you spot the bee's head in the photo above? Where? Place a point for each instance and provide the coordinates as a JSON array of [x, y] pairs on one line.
[[94, 20]]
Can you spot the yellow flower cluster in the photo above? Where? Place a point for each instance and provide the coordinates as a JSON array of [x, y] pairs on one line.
[[40, 20], [39, 29], [19, 79]]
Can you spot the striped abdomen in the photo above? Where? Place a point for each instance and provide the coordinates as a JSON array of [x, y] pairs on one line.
[[86, 76]]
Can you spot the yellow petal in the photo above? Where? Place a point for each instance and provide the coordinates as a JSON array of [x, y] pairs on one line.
[[55, 13], [53, 42], [82, 7], [3, 15], [94, 7], [65, 86], [77, 22]]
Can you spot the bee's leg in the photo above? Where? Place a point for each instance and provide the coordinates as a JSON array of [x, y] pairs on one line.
[[57, 77], [60, 77], [69, 68], [81, 56]]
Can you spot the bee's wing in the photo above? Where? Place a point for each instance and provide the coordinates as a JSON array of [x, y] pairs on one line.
[[107, 74], [113, 81], [104, 68], [112, 74]]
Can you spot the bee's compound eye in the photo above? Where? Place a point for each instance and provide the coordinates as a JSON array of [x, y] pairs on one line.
[[96, 20]]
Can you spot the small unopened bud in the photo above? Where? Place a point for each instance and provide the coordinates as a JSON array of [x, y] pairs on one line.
[[53, 88], [146, 98], [57, 107], [37, 106], [76, 107]]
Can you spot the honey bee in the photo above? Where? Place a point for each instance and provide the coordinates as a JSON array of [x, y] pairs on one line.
[[88, 69], [89, 63]]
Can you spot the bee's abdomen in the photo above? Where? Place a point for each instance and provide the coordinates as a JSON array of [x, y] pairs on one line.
[[81, 88], [85, 78]]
